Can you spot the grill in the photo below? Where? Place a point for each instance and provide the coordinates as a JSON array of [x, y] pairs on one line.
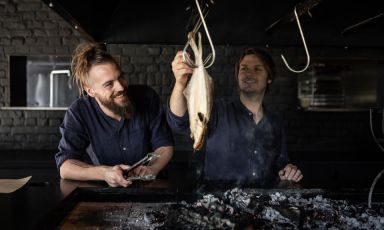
[[120, 208]]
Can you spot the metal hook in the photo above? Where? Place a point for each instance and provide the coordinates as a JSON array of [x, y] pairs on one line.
[[211, 57], [186, 57], [305, 47]]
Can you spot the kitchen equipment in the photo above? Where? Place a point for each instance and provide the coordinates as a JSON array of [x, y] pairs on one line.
[[147, 159]]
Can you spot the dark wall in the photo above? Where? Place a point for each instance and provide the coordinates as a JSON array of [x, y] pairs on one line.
[[29, 27]]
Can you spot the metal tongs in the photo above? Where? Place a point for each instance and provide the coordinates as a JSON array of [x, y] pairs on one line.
[[147, 159]]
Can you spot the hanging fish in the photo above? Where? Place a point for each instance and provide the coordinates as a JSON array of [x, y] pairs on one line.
[[199, 95]]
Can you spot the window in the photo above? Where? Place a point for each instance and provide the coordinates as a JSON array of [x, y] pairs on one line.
[[41, 81], [341, 84]]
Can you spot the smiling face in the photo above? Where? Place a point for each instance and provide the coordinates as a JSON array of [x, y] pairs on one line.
[[108, 86], [253, 76]]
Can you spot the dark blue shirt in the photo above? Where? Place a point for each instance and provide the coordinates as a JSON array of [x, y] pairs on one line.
[[236, 147], [89, 135]]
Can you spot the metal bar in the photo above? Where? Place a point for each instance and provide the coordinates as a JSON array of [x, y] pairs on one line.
[[301, 8], [362, 23]]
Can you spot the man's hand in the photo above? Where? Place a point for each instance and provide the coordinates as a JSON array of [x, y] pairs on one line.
[[291, 173], [144, 170], [181, 70], [114, 176]]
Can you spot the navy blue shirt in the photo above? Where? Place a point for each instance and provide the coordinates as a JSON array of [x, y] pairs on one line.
[[89, 135], [237, 148]]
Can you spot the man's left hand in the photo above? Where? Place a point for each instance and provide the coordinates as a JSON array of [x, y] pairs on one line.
[[144, 170], [291, 173]]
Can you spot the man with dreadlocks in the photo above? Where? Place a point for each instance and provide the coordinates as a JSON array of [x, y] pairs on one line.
[[112, 125]]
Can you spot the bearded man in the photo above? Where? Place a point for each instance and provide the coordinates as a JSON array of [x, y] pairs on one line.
[[112, 125]]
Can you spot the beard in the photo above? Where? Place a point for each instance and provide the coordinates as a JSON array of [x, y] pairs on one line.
[[120, 109]]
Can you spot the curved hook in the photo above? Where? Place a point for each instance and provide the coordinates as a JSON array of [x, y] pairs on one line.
[[305, 47], [211, 57]]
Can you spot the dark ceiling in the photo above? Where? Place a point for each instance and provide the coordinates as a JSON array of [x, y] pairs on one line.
[[232, 22]]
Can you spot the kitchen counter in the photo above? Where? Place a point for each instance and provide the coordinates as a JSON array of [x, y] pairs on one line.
[[46, 198], [28, 206]]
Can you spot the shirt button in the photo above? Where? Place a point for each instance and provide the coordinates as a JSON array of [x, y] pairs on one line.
[[254, 174], [255, 152], [250, 114], [124, 148]]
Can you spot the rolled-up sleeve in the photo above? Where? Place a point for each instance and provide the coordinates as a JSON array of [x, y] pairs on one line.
[[74, 140], [178, 124]]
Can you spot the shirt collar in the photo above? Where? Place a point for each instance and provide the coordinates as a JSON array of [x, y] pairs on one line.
[[241, 106]]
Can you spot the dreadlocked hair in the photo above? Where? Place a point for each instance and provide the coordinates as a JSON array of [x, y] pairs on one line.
[[84, 57]]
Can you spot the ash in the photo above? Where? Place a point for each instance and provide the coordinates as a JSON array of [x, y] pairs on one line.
[[236, 209], [240, 209], [135, 216]]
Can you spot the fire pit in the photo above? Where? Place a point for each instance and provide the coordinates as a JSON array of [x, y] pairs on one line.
[[231, 209], [238, 209]]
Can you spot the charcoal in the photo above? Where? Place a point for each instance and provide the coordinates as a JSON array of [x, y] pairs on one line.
[[153, 217], [277, 211], [246, 209]]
